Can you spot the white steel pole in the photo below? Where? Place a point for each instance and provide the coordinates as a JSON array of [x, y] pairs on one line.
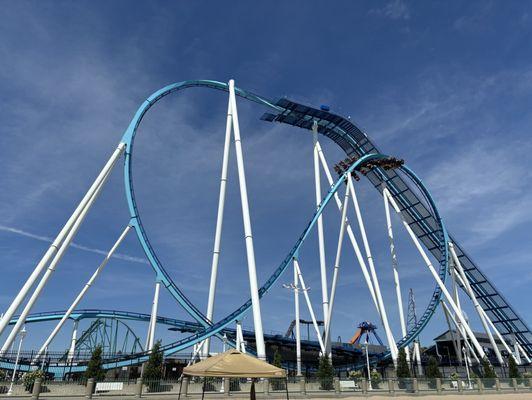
[[457, 300], [21, 295], [395, 271], [438, 280], [350, 233], [380, 302], [417, 354], [72, 349], [153, 317], [240, 343], [253, 286], [13, 377], [523, 352], [321, 238], [335, 272], [219, 224], [367, 364], [82, 294], [309, 305], [465, 283], [298, 327], [51, 268]]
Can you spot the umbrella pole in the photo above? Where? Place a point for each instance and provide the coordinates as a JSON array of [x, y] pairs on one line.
[[180, 386], [286, 387], [203, 389]]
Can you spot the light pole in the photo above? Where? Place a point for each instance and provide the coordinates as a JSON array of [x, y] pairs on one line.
[[22, 334], [295, 287], [367, 364], [467, 367]]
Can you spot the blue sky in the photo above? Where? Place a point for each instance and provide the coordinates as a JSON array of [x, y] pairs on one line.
[[446, 86]]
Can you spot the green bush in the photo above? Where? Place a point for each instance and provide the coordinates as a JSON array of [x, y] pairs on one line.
[[432, 372], [29, 378], [356, 375], [94, 368], [376, 378], [513, 371], [278, 384], [325, 373], [153, 369], [489, 374], [403, 370]]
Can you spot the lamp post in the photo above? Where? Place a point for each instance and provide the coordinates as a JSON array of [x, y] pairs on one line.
[[22, 334], [367, 364], [467, 367]]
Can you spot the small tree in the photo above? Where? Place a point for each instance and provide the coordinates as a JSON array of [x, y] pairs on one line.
[[325, 373], [376, 378], [94, 368], [489, 374], [278, 384], [513, 371], [433, 371], [29, 378], [403, 370], [153, 369]]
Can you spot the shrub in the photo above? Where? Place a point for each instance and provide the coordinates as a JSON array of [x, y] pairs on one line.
[[403, 370], [153, 370], [527, 377], [356, 375], [432, 371], [513, 371], [489, 374], [376, 378], [278, 384], [29, 378], [325, 373], [94, 368]]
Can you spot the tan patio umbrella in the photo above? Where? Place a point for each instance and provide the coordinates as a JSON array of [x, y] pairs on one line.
[[234, 364]]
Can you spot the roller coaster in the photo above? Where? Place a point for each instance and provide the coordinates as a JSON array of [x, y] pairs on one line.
[[402, 191]]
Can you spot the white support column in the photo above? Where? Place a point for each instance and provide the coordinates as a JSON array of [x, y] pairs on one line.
[[343, 222], [52, 250], [253, 286], [478, 308], [298, 325], [51, 268], [456, 298], [417, 355], [72, 349], [240, 342], [380, 302], [456, 340], [395, 270], [153, 318], [438, 280], [350, 233], [523, 352], [82, 293], [321, 238], [309, 305], [219, 224]]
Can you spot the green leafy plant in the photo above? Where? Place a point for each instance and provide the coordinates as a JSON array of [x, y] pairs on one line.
[[29, 378], [94, 368], [278, 384], [432, 372], [489, 374], [325, 373], [403, 370], [454, 376], [376, 378], [513, 371], [356, 375], [153, 369]]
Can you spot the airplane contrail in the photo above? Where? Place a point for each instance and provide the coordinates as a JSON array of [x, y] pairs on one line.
[[47, 239]]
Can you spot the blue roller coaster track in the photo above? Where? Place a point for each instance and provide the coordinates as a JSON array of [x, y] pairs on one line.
[[416, 205]]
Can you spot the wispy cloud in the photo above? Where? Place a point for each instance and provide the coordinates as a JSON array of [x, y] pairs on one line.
[[395, 9], [47, 239]]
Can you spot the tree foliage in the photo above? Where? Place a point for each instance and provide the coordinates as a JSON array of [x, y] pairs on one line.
[[513, 371], [153, 370], [489, 374], [433, 369], [403, 370], [278, 384], [94, 368], [325, 373]]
